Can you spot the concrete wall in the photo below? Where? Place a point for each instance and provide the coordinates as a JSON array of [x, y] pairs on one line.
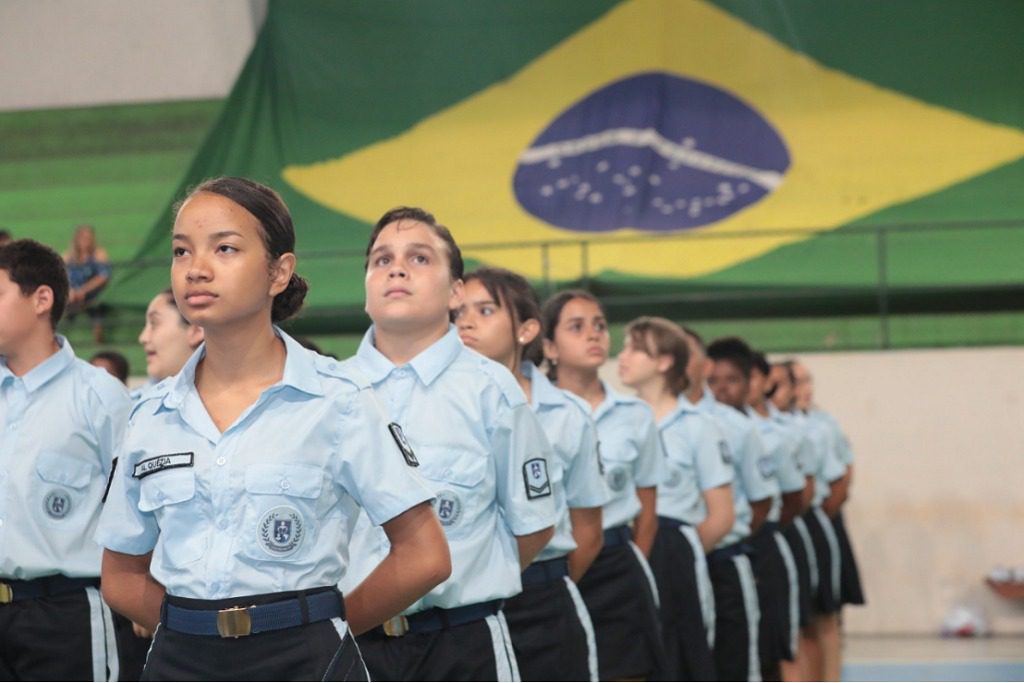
[[938, 496], [68, 53]]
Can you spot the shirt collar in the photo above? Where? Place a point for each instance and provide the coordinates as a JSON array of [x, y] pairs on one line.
[[683, 406], [543, 392], [428, 364], [611, 399], [299, 372], [45, 371]]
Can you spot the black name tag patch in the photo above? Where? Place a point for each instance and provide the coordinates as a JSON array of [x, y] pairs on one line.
[[403, 445], [149, 466]]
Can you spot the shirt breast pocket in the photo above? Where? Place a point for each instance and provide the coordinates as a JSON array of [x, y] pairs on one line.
[[169, 497], [280, 513], [457, 477], [62, 487]]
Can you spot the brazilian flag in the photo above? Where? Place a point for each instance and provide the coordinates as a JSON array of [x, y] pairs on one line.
[[674, 148]]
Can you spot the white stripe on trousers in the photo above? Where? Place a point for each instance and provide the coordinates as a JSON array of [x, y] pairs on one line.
[[705, 591], [588, 626], [105, 663], [812, 557], [504, 656], [833, 550], [794, 590], [647, 571], [342, 628], [753, 610]]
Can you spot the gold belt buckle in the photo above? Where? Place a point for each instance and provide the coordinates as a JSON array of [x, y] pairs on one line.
[[234, 622], [396, 626], [6, 593]]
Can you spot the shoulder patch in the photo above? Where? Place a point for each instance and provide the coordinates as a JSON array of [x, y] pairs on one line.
[[535, 477], [723, 449]]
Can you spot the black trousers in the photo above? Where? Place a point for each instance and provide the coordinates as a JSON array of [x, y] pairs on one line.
[[850, 590], [70, 636], [773, 599], [468, 652], [322, 650], [688, 656], [626, 623], [548, 634], [736, 618]]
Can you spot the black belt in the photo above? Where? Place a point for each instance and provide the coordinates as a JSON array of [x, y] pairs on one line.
[[617, 535], [233, 622], [671, 523], [437, 619], [15, 590], [545, 571], [730, 551]]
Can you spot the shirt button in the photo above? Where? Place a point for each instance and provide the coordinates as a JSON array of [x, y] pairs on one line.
[[221, 460], [285, 484], [1, 522], [223, 524]]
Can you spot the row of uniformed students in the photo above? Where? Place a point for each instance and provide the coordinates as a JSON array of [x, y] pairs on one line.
[[461, 500]]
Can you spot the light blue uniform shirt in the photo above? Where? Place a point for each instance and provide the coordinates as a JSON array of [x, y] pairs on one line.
[[783, 446], [266, 506], [842, 443], [630, 451], [576, 477], [482, 452], [696, 461], [826, 467], [62, 423], [755, 470]]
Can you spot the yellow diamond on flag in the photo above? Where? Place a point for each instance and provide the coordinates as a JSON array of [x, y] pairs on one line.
[[848, 148]]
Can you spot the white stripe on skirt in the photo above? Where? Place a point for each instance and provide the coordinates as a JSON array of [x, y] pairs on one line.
[[794, 590], [588, 626], [812, 557], [833, 549], [342, 628], [753, 610], [504, 657], [105, 663], [647, 571], [704, 589]]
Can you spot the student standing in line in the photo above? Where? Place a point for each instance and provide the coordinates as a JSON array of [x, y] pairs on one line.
[[792, 460], [230, 512], [551, 629], [730, 380], [619, 588], [62, 421], [167, 338], [738, 614], [831, 491], [465, 421], [695, 506]]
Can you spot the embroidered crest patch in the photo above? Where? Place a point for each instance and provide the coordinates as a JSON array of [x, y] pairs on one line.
[[448, 507], [57, 504], [281, 530]]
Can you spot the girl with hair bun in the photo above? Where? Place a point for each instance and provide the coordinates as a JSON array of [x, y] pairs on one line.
[[227, 524]]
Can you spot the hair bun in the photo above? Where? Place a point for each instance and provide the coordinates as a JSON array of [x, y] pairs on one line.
[[288, 302]]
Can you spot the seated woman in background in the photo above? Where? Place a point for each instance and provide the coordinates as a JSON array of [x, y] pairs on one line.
[[88, 272]]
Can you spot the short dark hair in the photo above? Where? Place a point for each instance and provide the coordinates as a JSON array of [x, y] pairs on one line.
[[31, 265], [5, 235], [511, 291], [662, 337], [118, 361], [276, 228], [413, 213], [734, 350], [761, 363]]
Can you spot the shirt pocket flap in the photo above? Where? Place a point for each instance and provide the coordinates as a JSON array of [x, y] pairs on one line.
[[59, 468], [166, 488], [303, 481], [453, 465]]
